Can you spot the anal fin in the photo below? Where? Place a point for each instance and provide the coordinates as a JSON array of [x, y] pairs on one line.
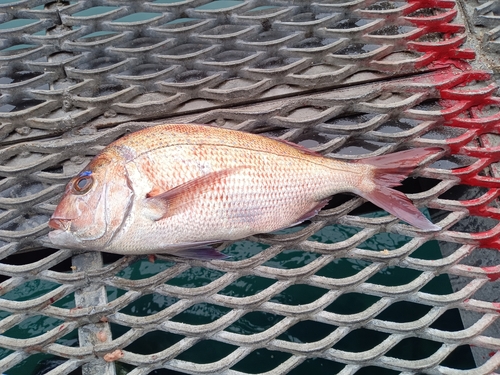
[[202, 253], [311, 213]]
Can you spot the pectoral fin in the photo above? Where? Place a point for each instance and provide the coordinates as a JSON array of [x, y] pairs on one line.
[[159, 205]]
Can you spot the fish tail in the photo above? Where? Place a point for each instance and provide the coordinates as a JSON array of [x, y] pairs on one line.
[[388, 171]]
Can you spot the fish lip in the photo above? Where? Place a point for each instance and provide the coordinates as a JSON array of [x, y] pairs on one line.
[[59, 224], [64, 239], [53, 235]]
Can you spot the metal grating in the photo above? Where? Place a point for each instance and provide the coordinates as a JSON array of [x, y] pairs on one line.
[[348, 79], [487, 14]]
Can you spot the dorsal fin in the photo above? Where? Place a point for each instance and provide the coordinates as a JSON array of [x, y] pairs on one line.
[[300, 148]]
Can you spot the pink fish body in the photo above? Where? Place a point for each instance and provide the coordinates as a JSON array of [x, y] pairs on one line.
[[178, 188]]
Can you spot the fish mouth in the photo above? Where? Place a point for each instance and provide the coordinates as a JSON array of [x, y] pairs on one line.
[[60, 224], [64, 239]]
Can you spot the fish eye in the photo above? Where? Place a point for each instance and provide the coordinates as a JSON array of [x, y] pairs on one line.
[[83, 184]]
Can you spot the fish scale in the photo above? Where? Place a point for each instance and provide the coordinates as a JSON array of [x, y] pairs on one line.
[[178, 188], [251, 200]]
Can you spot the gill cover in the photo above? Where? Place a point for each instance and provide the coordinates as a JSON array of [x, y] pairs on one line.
[[93, 207]]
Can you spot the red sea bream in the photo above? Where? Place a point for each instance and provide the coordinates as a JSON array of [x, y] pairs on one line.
[[178, 189]]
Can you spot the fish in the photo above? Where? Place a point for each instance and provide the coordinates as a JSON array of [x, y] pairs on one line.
[[181, 188]]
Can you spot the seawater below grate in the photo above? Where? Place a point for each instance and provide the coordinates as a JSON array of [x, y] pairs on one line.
[[318, 298], [273, 283], [262, 360]]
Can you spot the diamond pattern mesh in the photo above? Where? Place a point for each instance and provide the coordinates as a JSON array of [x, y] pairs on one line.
[[487, 15], [348, 292]]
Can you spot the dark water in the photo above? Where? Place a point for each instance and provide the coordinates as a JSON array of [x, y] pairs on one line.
[[306, 331], [262, 360]]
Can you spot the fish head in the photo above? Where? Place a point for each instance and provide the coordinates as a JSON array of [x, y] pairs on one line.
[[94, 206]]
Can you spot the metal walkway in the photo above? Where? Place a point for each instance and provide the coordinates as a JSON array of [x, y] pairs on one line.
[[349, 79]]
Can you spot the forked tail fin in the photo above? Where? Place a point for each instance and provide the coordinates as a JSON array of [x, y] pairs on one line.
[[389, 171]]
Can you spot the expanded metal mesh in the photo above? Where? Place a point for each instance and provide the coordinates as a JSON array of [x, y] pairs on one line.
[[348, 79], [487, 14]]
